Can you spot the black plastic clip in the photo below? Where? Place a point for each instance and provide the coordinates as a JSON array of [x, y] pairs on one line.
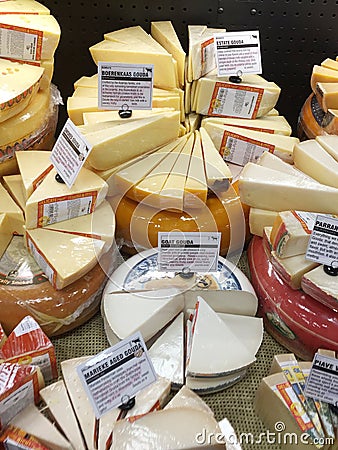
[[236, 78], [59, 179], [331, 270], [125, 112], [186, 273]]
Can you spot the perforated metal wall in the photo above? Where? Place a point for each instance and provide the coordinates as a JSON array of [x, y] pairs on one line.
[[295, 34]]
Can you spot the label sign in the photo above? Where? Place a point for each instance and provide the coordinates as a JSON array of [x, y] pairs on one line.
[[238, 52], [117, 374], [190, 252], [322, 383], [125, 86], [20, 43], [69, 153], [323, 245]]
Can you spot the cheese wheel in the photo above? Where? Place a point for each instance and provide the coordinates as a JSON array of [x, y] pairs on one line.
[[310, 119]]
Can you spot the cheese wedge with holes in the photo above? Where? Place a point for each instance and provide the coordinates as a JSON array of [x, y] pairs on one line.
[[330, 144], [22, 7], [311, 158], [33, 166], [56, 398], [105, 116], [14, 186], [12, 210], [260, 218], [322, 74], [185, 397], [72, 258], [321, 286], [265, 188]]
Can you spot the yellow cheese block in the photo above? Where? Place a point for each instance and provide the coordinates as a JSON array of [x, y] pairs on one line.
[[111, 116], [330, 64], [22, 7], [323, 75], [259, 219], [12, 211], [327, 95], [14, 186], [88, 82], [33, 166]]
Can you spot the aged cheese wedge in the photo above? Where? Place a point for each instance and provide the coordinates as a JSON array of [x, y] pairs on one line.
[[33, 166], [6, 232], [34, 422], [105, 116], [54, 202], [14, 186], [22, 7], [330, 144], [12, 210], [114, 145], [260, 218], [56, 398], [167, 353], [327, 95], [68, 260], [185, 397], [321, 286], [311, 158], [322, 74], [265, 188]]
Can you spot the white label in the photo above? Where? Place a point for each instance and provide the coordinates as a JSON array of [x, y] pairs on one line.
[[188, 252], [70, 153], [67, 209], [11, 405], [41, 261], [240, 152], [323, 244], [17, 44], [117, 374], [125, 86], [322, 383], [238, 53], [27, 325], [208, 60], [235, 102]]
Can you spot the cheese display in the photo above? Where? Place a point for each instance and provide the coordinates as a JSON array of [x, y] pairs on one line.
[[330, 144], [321, 286], [23, 7]]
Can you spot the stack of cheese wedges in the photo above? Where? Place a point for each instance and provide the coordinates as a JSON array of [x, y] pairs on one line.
[[28, 115]]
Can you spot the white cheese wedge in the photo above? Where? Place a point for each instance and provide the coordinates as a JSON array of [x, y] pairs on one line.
[[265, 188], [321, 286], [170, 429], [14, 186], [322, 74], [46, 24], [330, 144], [215, 350], [239, 145], [114, 145], [327, 95], [33, 167], [12, 210], [56, 398], [6, 233], [69, 259], [34, 422], [54, 202], [205, 385], [185, 397], [18, 85], [260, 218], [151, 311], [22, 7], [79, 398], [106, 116], [167, 353]]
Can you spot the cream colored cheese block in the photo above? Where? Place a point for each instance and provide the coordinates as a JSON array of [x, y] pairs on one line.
[[68, 260], [215, 350], [260, 218], [22, 7], [266, 124], [46, 24], [170, 429], [311, 158], [134, 34], [330, 64], [76, 106], [12, 210], [330, 144], [210, 98], [85, 81], [100, 224], [6, 233], [239, 145], [321, 286], [185, 397], [106, 116], [33, 166], [79, 399], [56, 398], [205, 385], [151, 311], [34, 422], [112, 146], [53, 202], [167, 353], [265, 188], [165, 34], [322, 74], [14, 186], [18, 85], [327, 95]]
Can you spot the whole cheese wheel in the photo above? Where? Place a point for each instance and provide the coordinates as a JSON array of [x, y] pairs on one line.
[[293, 318], [310, 119], [25, 290]]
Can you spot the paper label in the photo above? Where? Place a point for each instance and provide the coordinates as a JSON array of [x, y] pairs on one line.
[[240, 150], [238, 53], [117, 374], [125, 86], [42, 262], [20, 43], [12, 404], [323, 244], [26, 325], [70, 153], [322, 383], [208, 61], [235, 100], [190, 252]]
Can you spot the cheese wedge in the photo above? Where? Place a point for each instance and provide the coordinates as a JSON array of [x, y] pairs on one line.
[[66, 262], [34, 422], [12, 210], [45, 24], [330, 64], [56, 398], [260, 218], [327, 95], [14, 186], [239, 145], [322, 74], [54, 202], [311, 158], [265, 188], [151, 311], [321, 286], [22, 7], [105, 116], [114, 145], [330, 144], [33, 166], [6, 233], [167, 353], [76, 106], [19, 83], [185, 397], [85, 81]]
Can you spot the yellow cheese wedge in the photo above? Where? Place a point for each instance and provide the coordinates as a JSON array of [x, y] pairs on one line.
[[259, 219], [106, 116], [330, 144], [33, 166], [327, 95], [322, 75], [330, 64], [14, 186], [88, 82], [22, 7], [12, 210], [18, 85]]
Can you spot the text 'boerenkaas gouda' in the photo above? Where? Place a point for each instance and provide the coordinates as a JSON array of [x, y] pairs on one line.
[[112, 145], [54, 202]]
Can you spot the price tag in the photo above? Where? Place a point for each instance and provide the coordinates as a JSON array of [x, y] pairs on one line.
[[238, 53], [322, 383], [70, 153], [117, 374], [323, 244], [125, 86], [190, 252]]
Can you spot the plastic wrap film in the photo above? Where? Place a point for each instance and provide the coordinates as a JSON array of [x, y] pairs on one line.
[[25, 290], [296, 320]]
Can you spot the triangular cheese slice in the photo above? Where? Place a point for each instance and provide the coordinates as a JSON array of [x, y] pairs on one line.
[[105, 116], [33, 167], [14, 186], [12, 210], [185, 397], [330, 144]]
